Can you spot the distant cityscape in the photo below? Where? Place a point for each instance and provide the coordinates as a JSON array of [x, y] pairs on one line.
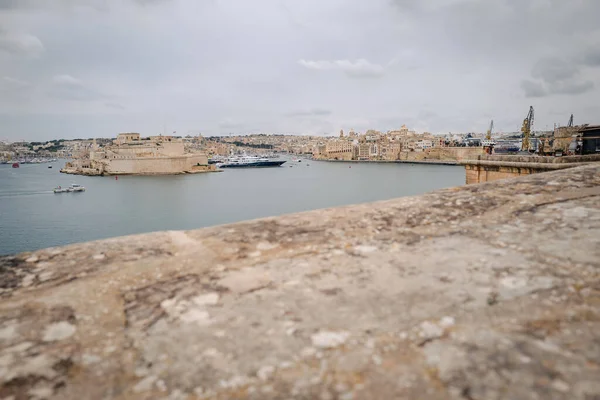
[[372, 145]]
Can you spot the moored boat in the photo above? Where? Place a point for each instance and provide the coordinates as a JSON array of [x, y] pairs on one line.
[[15, 165], [249, 162]]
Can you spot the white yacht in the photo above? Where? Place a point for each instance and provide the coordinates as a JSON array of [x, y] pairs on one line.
[[249, 162]]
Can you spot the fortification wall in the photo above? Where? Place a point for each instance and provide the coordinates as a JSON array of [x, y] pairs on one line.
[[154, 165]]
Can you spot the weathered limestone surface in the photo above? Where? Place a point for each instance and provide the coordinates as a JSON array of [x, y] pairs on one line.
[[480, 292]]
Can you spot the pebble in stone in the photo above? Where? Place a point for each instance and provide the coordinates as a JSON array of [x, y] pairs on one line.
[[365, 249], [245, 280], [265, 372], [209, 299], [329, 339], [8, 332], [561, 386], [28, 280], [447, 322], [145, 384], [429, 330], [160, 384], [44, 276], [198, 391], [266, 246], [88, 359], [199, 317], [326, 396], [308, 352], [58, 331], [41, 392]]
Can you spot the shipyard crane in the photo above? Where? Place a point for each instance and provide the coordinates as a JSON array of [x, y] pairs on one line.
[[570, 124], [488, 136], [527, 129]]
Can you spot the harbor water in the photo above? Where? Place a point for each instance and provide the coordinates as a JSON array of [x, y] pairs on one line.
[[33, 217]]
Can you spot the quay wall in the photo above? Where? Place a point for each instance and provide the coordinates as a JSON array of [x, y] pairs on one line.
[[490, 168]]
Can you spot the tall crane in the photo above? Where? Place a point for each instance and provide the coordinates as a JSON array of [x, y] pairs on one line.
[[488, 136], [570, 124], [526, 129]]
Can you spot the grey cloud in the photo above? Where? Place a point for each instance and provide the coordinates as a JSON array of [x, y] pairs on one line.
[[280, 65], [309, 113], [592, 57], [541, 89], [360, 68], [10, 82], [99, 5], [11, 4], [147, 2], [558, 76], [228, 124], [20, 44], [533, 89], [115, 106], [572, 88], [554, 69], [69, 88], [46, 4]]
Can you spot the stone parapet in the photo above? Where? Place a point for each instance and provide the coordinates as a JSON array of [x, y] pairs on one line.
[[494, 167], [478, 292]]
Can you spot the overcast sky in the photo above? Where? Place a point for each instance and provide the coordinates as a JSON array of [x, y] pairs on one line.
[[93, 68]]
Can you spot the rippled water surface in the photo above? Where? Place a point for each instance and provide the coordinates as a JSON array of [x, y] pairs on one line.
[[32, 217]]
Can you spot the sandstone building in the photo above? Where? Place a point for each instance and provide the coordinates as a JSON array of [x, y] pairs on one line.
[[132, 154]]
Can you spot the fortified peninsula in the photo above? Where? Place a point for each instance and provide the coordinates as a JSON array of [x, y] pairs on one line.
[[130, 154]]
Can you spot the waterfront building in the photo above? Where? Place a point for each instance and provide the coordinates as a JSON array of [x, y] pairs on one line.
[[339, 150], [131, 154]]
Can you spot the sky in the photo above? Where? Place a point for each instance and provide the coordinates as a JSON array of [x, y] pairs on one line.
[[94, 68]]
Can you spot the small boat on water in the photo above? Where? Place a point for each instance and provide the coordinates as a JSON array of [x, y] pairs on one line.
[[49, 166], [15, 165], [73, 188]]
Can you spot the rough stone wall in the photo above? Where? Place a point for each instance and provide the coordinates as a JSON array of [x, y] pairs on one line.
[[480, 292], [482, 174], [472, 174], [155, 165]]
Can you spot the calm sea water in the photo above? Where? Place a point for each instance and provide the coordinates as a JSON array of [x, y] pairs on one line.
[[32, 217]]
